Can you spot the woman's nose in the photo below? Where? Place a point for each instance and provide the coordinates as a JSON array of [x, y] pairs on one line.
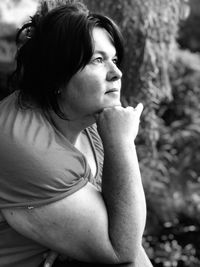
[[114, 73]]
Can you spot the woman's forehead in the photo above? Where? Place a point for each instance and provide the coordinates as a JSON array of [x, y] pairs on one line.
[[103, 42]]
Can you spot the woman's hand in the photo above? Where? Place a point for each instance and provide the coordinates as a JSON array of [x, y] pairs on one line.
[[118, 124]]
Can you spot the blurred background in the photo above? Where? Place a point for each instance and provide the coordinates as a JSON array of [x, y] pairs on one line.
[[161, 70]]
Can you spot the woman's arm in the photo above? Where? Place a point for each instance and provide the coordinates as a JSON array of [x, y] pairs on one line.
[[142, 260], [90, 226]]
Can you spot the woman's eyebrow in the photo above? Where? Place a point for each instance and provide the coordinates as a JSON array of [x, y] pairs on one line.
[[100, 52], [103, 53]]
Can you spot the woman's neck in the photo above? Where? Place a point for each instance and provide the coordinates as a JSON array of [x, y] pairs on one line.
[[71, 129]]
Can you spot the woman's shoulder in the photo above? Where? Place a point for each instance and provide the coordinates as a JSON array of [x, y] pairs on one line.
[[37, 166], [24, 125]]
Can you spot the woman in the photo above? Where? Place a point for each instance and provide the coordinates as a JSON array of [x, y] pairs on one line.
[[62, 130]]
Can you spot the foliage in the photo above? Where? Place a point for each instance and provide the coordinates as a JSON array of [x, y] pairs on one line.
[[189, 36], [177, 204], [174, 247], [7, 51]]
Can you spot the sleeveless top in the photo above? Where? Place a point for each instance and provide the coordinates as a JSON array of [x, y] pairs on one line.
[[38, 165]]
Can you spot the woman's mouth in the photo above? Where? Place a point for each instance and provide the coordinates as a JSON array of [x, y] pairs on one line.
[[114, 90]]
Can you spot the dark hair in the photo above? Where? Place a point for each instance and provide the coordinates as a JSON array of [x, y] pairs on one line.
[[58, 44]]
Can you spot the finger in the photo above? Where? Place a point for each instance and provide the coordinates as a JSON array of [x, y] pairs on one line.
[[51, 257], [139, 109]]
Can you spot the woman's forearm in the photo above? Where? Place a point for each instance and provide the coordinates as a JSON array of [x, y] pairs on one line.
[[123, 194]]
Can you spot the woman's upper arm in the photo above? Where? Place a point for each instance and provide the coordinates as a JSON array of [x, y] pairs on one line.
[[76, 226]]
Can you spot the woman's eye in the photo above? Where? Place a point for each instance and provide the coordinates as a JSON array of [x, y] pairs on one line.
[[98, 60], [115, 61]]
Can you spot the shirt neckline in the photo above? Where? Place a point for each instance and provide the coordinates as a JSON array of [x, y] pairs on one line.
[[88, 134], [87, 131]]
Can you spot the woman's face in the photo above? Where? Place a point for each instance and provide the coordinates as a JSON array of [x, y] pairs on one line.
[[97, 85]]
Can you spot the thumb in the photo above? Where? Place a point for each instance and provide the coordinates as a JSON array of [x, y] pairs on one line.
[[139, 109]]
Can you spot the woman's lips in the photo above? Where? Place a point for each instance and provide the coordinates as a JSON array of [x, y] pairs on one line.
[[114, 90]]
